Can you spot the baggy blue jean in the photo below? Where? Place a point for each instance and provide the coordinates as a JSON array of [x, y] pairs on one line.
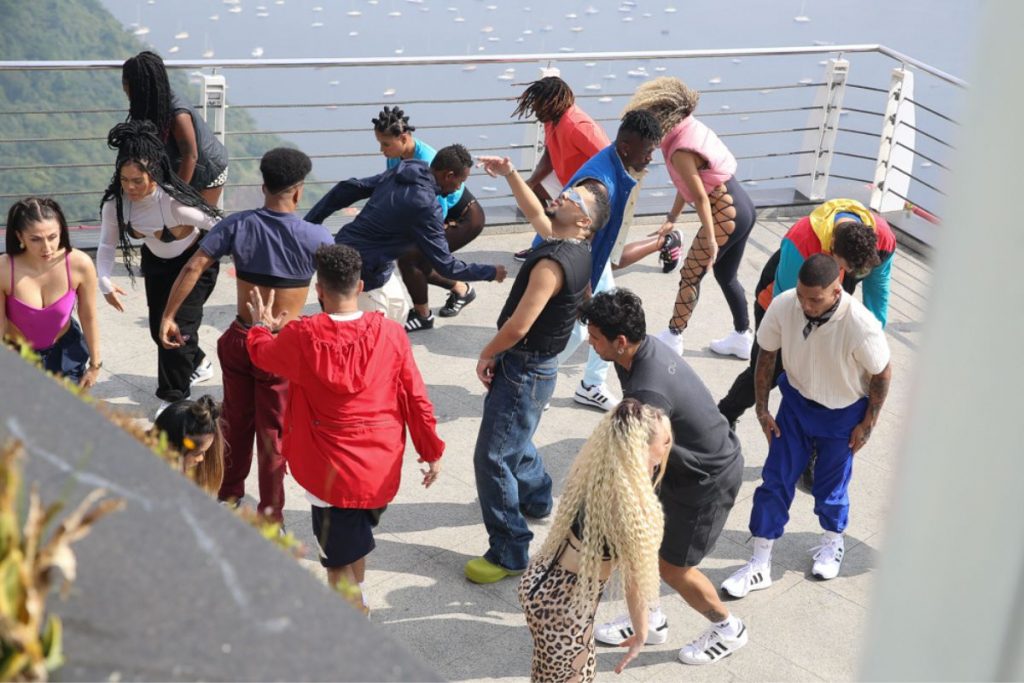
[[510, 475], [804, 426]]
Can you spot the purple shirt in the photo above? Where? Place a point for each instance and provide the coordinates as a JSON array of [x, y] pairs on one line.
[[269, 248]]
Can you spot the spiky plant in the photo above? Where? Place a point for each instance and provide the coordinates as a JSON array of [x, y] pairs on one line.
[[30, 638]]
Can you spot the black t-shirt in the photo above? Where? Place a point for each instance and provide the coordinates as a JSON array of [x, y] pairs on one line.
[[703, 445], [551, 330]]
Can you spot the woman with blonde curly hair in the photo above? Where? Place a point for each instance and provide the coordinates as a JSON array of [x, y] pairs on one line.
[[704, 172], [609, 518]]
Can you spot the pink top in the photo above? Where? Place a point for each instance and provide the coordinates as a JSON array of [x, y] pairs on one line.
[[42, 325], [693, 136]]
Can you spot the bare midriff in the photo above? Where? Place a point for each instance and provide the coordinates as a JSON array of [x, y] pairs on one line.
[[290, 300], [570, 559]]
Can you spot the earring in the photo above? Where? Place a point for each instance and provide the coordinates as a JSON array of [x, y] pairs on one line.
[[21, 245], [619, 351]]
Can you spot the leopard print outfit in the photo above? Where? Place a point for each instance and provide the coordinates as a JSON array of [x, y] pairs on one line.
[[563, 638]]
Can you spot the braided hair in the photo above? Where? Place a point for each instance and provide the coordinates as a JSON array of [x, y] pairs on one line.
[[392, 121], [546, 99], [138, 142], [149, 91], [187, 418]]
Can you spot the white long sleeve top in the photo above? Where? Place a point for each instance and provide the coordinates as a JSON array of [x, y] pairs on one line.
[[147, 217]]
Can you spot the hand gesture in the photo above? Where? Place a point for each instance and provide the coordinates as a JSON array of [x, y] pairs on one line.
[[170, 336], [430, 474], [859, 436], [264, 312], [496, 166], [501, 272], [635, 643], [768, 426], [485, 371], [112, 299]]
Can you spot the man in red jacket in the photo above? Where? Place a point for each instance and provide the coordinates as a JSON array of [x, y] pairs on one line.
[[353, 389]]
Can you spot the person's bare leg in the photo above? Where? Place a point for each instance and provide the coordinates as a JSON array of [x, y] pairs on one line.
[[696, 589], [353, 574], [634, 251], [212, 195]]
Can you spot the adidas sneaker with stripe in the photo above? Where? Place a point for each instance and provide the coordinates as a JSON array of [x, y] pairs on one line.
[[712, 646], [619, 630], [752, 576]]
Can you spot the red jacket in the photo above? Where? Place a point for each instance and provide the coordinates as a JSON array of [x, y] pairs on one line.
[[353, 388]]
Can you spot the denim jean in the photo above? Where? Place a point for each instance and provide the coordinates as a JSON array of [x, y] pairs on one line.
[[510, 476]]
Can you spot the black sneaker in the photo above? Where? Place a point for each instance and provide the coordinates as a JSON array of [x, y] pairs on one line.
[[521, 255], [671, 250], [415, 322], [456, 303]]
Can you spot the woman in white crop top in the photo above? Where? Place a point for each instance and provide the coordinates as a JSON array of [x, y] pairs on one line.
[[147, 201]]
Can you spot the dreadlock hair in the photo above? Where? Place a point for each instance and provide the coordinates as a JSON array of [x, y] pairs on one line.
[[546, 99], [137, 142], [643, 124], [609, 486], [392, 121], [149, 91], [34, 210], [187, 418], [857, 244], [668, 98]]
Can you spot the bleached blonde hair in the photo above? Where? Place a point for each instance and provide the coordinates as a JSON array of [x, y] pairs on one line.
[[668, 98], [610, 483]]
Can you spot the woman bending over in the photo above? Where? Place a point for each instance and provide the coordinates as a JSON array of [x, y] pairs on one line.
[[704, 172], [608, 518]]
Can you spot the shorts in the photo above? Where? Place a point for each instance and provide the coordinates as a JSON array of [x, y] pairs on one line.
[[69, 355], [390, 299], [343, 535], [691, 531], [460, 207]]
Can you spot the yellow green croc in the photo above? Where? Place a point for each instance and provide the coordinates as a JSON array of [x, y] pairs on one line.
[[479, 570]]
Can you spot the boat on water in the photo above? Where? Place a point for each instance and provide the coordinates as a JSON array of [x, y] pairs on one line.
[[715, 80], [469, 67], [592, 86], [640, 72], [207, 54], [317, 24], [235, 9], [173, 49], [141, 31], [390, 92], [604, 99], [181, 35], [354, 13], [257, 52]]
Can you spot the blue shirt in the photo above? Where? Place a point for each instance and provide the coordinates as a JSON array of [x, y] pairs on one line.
[[269, 248], [426, 153]]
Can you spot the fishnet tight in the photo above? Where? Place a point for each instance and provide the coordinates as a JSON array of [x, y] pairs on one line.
[[698, 258]]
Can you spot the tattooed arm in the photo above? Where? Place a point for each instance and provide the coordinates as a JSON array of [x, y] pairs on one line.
[[763, 376], [878, 389]]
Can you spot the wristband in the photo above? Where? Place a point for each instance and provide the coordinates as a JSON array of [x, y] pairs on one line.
[[95, 366], [260, 323]]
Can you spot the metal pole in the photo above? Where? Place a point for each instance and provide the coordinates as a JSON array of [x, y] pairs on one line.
[[213, 94], [824, 119], [896, 147]]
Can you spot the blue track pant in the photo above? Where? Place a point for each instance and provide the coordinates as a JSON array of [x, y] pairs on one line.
[[806, 426]]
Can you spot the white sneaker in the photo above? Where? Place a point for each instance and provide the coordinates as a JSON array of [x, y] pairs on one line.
[[202, 373], [619, 630], [595, 396], [161, 408], [735, 344], [671, 340], [749, 577], [712, 646], [828, 556]]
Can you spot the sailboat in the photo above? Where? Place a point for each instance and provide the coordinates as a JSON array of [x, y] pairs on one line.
[[802, 18]]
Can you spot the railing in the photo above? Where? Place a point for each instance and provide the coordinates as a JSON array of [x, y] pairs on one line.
[[855, 130]]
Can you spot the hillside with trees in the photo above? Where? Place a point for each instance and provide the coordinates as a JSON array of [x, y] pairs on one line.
[[65, 155]]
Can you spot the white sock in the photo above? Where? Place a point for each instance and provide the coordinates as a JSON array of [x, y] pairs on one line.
[[730, 628], [362, 595], [832, 535], [763, 550]]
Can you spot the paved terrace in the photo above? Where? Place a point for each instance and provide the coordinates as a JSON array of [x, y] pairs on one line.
[[800, 629]]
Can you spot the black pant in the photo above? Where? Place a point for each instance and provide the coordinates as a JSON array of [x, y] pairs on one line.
[[175, 366], [730, 255], [741, 393]]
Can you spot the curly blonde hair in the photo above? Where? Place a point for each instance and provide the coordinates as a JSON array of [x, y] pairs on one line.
[[668, 98], [610, 484]]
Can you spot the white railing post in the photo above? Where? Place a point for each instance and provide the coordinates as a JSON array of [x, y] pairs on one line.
[[824, 119], [213, 96], [896, 149]]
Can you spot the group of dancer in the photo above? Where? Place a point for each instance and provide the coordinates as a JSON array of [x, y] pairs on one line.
[[330, 397]]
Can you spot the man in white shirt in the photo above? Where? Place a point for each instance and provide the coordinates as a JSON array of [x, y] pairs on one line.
[[836, 380]]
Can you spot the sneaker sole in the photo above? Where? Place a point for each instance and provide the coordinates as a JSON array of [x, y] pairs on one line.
[[591, 403], [729, 353], [659, 636], [758, 587]]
